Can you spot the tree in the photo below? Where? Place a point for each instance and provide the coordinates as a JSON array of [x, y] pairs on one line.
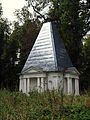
[[28, 32], [23, 15], [0, 9], [4, 35], [8, 50], [38, 6], [7, 58], [21, 40], [85, 71], [71, 20], [25, 34]]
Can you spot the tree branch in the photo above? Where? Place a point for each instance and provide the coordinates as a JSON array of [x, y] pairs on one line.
[[38, 12]]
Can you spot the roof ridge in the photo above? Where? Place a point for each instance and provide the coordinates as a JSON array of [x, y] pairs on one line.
[[53, 43]]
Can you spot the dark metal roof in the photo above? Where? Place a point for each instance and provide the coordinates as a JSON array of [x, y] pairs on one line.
[[62, 57], [48, 51]]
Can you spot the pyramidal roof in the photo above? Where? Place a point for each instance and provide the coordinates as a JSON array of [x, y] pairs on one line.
[[48, 51]]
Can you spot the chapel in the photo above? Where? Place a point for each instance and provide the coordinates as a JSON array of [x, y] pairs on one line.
[[48, 65]]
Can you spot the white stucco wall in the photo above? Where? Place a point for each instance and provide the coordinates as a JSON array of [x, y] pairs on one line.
[[33, 84], [51, 80], [54, 80]]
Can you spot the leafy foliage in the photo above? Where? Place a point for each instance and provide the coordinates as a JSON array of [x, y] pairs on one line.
[[85, 71], [25, 34], [71, 19], [29, 33], [44, 106], [23, 15], [73, 22], [0, 9], [38, 6], [8, 49], [20, 41]]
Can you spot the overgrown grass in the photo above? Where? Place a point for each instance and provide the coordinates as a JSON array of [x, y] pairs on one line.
[[43, 106]]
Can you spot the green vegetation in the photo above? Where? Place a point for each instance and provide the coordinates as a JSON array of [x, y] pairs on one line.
[[20, 41], [44, 106]]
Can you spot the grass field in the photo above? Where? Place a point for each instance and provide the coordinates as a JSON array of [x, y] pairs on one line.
[[43, 106]]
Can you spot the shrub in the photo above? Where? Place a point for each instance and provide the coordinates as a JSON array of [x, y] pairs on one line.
[[43, 106]]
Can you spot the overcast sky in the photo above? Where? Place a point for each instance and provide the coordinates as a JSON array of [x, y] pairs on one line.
[[9, 7]]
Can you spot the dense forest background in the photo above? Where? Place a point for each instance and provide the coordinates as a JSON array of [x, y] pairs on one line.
[[73, 21]]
